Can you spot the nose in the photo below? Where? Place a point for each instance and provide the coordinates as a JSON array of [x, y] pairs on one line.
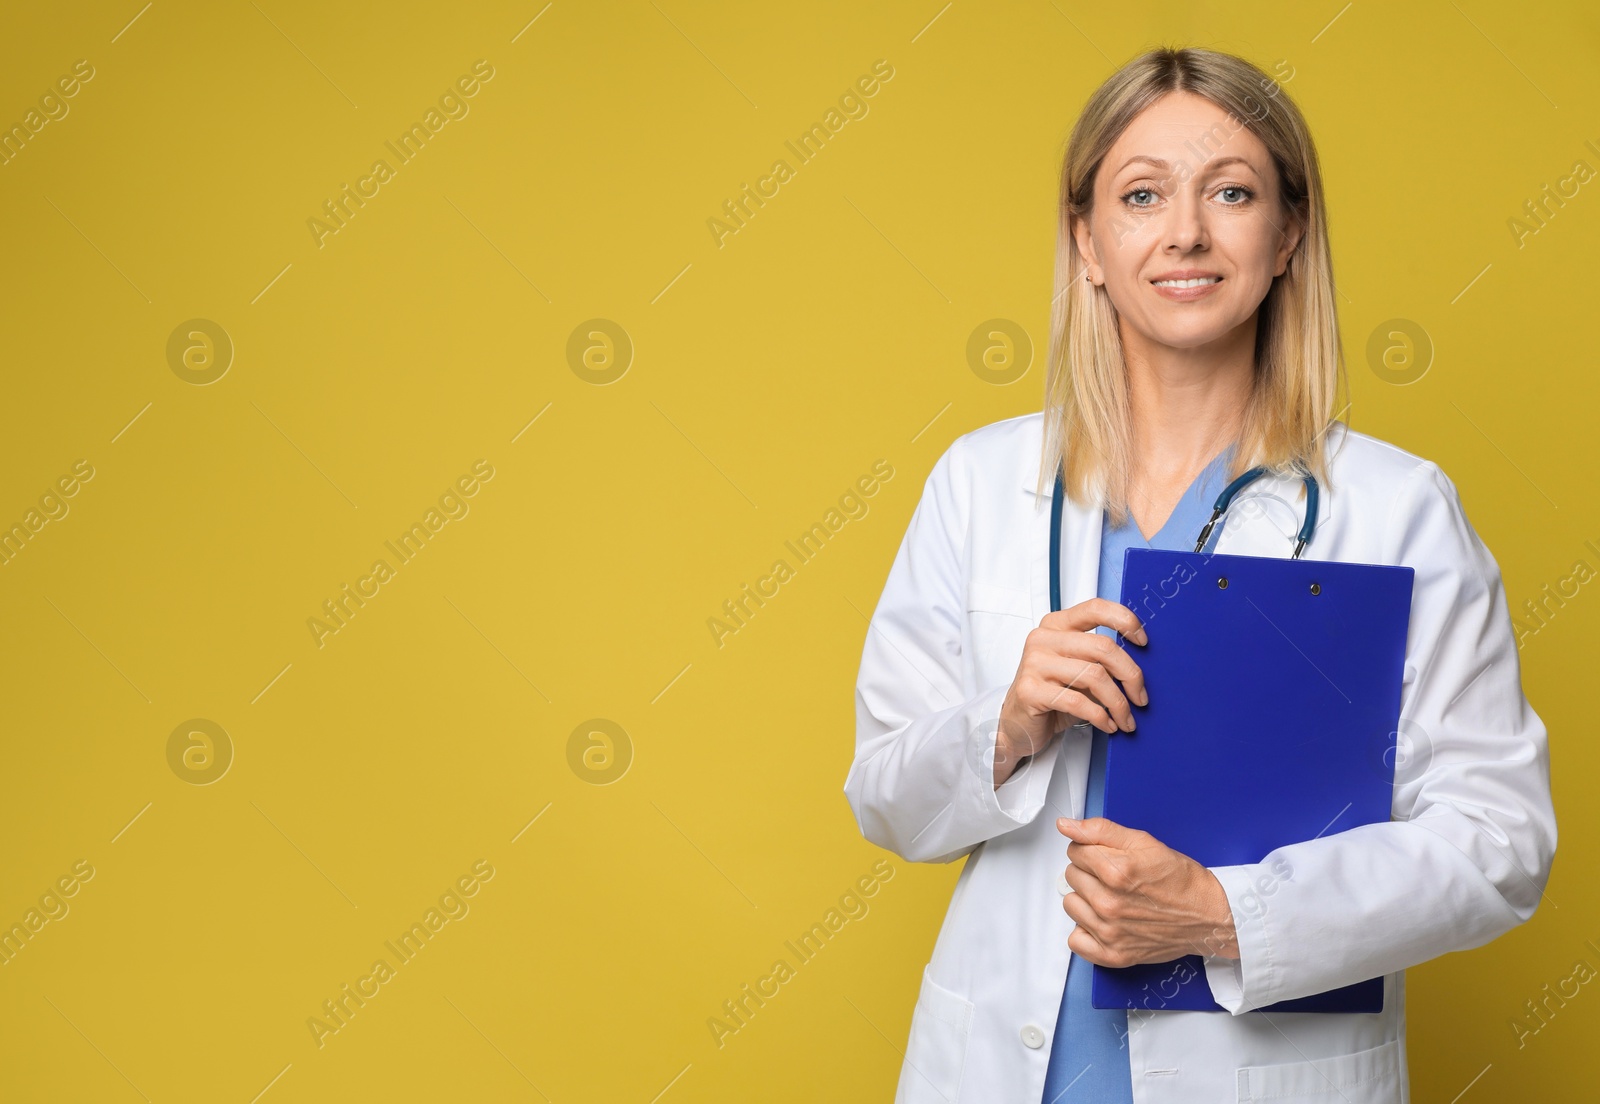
[[1186, 230]]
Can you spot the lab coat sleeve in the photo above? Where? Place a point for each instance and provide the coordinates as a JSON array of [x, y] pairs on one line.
[[1469, 847], [922, 782]]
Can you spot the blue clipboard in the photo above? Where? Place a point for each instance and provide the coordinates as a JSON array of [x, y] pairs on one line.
[[1274, 705]]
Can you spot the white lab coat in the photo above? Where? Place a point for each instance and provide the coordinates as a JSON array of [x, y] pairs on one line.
[[1464, 859]]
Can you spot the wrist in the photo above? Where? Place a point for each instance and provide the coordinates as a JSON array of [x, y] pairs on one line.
[[1012, 747], [1006, 760], [1222, 939]]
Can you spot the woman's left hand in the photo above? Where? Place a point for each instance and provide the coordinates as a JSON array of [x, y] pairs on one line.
[[1135, 899]]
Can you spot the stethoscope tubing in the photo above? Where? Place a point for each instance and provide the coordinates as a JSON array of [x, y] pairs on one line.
[[1224, 500]]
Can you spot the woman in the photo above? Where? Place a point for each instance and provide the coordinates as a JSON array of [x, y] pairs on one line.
[[1193, 336]]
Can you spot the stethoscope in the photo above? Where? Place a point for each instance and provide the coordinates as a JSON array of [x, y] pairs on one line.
[[1224, 500]]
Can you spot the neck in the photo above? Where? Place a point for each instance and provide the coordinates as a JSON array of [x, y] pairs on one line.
[[1187, 405]]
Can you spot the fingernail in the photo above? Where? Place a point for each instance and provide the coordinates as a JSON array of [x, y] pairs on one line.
[[1132, 724], [1144, 697]]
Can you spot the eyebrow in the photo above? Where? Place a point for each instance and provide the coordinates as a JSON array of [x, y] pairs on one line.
[[1210, 164]]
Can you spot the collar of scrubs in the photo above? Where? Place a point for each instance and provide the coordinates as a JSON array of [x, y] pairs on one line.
[[1187, 518], [1177, 533], [1257, 532]]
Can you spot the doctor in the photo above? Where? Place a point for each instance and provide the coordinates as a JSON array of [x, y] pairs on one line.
[[1193, 336]]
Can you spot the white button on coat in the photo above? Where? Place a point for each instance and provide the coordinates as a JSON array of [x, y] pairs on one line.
[[1032, 1037], [1473, 829]]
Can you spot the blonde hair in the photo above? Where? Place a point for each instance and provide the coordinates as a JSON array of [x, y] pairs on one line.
[[1299, 363]]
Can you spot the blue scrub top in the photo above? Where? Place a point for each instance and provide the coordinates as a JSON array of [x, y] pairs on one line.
[[1089, 1056]]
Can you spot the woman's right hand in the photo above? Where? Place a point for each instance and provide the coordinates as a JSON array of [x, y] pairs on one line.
[[1070, 673]]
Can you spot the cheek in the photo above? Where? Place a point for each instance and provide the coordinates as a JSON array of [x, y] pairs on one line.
[[1253, 246], [1128, 244], [1254, 285]]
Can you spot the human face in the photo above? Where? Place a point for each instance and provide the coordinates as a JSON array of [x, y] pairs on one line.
[[1186, 193]]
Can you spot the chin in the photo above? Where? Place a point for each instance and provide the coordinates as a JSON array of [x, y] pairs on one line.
[[1194, 336]]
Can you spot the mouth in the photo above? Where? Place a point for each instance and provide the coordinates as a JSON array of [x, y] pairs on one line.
[[1188, 282], [1186, 285]]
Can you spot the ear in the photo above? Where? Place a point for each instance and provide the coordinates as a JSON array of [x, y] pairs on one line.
[[1084, 242], [1292, 232]]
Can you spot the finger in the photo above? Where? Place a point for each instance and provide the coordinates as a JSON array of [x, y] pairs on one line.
[[1090, 859], [1121, 665], [1087, 947], [1088, 677], [1044, 686], [1071, 661], [1084, 884], [1098, 830], [1096, 612], [1082, 913], [1100, 649], [1076, 704], [1087, 944]]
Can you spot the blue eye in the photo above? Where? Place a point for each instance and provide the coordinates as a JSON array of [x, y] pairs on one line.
[[1243, 194], [1139, 192]]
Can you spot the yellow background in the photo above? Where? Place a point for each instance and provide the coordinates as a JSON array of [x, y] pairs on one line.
[[767, 376]]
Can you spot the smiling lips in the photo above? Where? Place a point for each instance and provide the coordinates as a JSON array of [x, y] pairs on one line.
[[1186, 286]]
